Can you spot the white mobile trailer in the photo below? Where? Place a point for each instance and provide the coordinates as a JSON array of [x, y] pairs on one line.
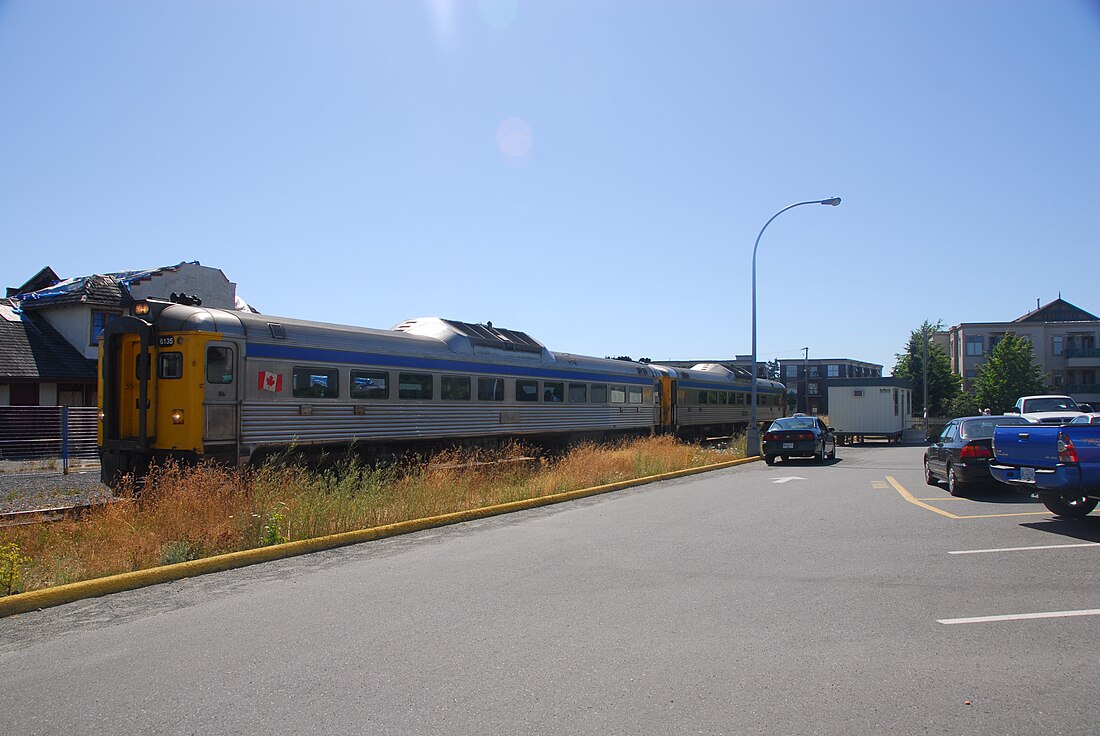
[[863, 408]]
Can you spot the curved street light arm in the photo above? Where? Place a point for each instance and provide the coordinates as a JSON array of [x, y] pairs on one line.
[[753, 437]]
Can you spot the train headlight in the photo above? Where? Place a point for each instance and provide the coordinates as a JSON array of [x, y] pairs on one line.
[[141, 308], [177, 416], [102, 415]]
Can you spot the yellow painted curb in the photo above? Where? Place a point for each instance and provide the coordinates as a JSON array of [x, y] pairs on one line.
[[57, 595]]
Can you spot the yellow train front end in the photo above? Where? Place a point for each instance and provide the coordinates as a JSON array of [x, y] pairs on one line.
[[153, 385]]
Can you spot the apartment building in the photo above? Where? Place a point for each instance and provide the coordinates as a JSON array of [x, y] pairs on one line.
[[1066, 340]]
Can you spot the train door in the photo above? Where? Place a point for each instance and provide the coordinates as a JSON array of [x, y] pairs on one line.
[[668, 404], [136, 389], [220, 393]]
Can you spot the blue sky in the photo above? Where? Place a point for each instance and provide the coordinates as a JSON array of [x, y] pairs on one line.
[[593, 173]]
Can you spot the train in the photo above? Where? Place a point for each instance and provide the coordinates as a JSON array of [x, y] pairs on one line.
[[191, 383]]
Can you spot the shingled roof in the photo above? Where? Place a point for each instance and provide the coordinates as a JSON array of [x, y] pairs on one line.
[[31, 349], [103, 291]]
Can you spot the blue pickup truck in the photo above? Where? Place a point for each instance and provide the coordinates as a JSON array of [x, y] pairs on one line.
[[1059, 463]]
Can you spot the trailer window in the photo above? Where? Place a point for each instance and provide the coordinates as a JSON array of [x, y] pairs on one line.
[[618, 394], [316, 383], [414, 386], [370, 385], [634, 395], [219, 365], [527, 390], [578, 393], [170, 365], [490, 389], [599, 393], [454, 388]]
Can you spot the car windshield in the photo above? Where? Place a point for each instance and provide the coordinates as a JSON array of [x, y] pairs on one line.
[[794, 423], [979, 429], [1061, 403]]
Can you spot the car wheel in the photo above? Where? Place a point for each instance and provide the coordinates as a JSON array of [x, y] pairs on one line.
[[769, 459], [928, 477], [954, 485], [832, 454], [1068, 508], [819, 457]]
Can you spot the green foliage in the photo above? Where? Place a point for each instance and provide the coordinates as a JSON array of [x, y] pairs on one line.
[[1010, 372], [180, 551], [272, 530], [965, 404], [943, 384], [11, 564]]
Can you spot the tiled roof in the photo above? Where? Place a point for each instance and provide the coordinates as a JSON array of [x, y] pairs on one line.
[[105, 291], [30, 348]]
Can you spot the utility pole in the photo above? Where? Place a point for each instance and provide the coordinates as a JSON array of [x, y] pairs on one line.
[[924, 370], [806, 382]]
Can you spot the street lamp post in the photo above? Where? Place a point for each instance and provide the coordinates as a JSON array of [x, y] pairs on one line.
[[753, 438]]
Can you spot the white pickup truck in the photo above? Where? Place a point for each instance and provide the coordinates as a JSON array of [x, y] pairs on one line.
[[1048, 409]]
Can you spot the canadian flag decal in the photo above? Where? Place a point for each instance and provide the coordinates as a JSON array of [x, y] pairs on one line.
[[272, 382]]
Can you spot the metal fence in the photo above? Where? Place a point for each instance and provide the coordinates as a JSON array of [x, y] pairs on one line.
[[45, 433]]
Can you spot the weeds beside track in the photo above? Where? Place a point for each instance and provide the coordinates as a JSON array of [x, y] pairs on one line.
[[190, 513]]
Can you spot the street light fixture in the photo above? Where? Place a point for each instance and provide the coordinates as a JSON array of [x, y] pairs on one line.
[[753, 438]]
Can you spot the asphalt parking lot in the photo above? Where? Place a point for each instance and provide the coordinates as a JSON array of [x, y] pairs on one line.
[[836, 599]]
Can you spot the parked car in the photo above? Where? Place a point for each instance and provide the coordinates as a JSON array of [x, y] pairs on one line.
[[961, 453], [799, 436], [1090, 418]]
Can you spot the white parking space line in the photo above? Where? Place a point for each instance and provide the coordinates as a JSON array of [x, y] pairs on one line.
[[1023, 549], [1018, 617]]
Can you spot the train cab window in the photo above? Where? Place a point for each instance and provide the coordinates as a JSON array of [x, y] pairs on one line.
[[527, 390], [414, 386], [170, 365], [490, 389], [553, 391], [634, 395], [578, 393], [219, 365], [316, 383], [618, 394], [599, 393], [454, 388], [370, 385]]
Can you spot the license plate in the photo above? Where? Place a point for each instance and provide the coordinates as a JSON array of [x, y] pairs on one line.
[[788, 445], [1027, 475]]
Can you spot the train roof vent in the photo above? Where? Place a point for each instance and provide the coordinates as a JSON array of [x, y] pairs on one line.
[[496, 337], [716, 368], [465, 337]]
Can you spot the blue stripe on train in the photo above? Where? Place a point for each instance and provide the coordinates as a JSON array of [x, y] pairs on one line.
[[324, 355]]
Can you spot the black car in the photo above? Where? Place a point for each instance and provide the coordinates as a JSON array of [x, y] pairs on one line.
[[799, 436], [961, 454]]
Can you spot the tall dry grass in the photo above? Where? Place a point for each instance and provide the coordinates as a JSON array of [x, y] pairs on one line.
[[186, 513]]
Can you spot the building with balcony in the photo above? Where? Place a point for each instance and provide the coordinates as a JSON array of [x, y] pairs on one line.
[[1065, 338]]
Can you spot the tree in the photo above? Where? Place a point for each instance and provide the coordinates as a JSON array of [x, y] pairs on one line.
[[965, 404], [943, 384], [1010, 372], [771, 369]]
